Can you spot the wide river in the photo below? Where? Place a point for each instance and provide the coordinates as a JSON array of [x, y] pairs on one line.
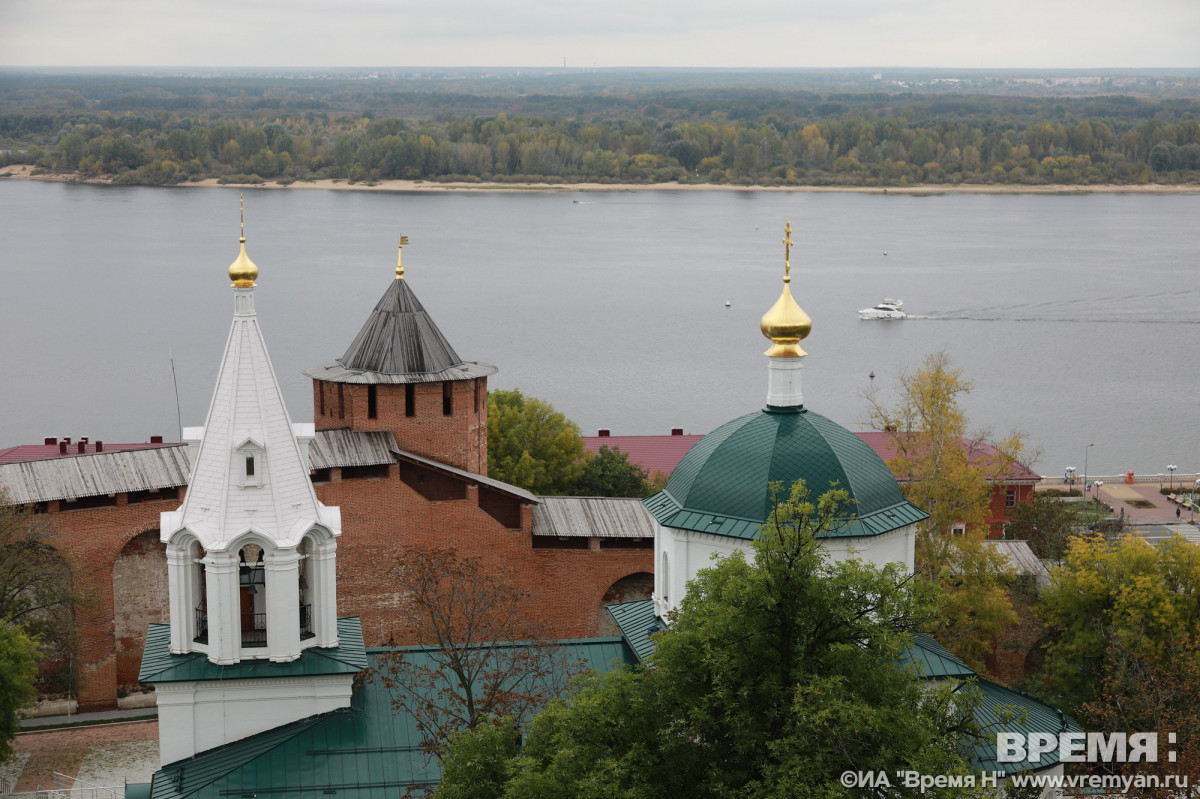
[[1077, 316]]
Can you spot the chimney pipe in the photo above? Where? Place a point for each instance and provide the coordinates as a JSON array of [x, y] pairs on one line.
[[50, 442], [676, 431], [67, 439], [604, 432], [83, 440], [99, 446], [62, 447], [82, 447]]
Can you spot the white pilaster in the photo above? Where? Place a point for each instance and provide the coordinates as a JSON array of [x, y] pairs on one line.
[[283, 605], [179, 595], [323, 584]]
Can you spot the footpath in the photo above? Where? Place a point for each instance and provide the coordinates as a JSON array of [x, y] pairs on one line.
[[1160, 519], [119, 747]]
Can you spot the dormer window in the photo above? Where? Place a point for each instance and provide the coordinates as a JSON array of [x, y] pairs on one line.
[[253, 461]]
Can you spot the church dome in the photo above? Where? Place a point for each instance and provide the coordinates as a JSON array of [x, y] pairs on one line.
[[722, 486]]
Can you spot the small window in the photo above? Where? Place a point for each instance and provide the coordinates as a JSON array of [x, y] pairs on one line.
[[410, 399], [249, 465], [321, 396], [341, 401], [372, 402], [447, 398], [478, 392], [958, 529], [1010, 498]]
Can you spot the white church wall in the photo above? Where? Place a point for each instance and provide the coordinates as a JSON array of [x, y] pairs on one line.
[[202, 715]]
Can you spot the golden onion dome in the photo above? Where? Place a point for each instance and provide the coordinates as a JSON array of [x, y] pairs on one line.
[[786, 323], [243, 271]]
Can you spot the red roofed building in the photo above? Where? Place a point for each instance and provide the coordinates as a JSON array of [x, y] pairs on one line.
[[56, 448], [653, 453]]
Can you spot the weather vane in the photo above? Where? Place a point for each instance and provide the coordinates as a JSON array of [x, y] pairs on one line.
[[399, 256]]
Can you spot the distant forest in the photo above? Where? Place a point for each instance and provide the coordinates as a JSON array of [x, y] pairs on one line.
[[738, 129]]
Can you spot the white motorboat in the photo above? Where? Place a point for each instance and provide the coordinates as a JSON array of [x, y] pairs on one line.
[[888, 309]]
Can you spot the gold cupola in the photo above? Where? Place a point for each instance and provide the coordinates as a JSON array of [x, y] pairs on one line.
[[786, 323], [243, 272]]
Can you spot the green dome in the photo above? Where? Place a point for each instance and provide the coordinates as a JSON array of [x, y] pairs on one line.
[[722, 486]]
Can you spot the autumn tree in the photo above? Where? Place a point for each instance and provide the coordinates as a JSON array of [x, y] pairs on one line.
[[949, 475], [1114, 609], [479, 652], [775, 675], [531, 445]]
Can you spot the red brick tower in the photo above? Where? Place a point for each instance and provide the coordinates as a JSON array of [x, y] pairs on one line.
[[400, 374]]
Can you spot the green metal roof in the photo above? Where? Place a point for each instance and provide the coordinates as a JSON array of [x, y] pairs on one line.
[[637, 621], [159, 665], [364, 751], [935, 661], [1028, 715], [722, 486]]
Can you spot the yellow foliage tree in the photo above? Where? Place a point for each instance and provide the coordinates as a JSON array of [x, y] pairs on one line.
[[948, 474]]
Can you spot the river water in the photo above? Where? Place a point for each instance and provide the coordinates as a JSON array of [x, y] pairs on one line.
[[1077, 316]]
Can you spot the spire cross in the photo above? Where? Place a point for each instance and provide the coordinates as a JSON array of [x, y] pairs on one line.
[[787, 253], [399, 254], [242, 211]]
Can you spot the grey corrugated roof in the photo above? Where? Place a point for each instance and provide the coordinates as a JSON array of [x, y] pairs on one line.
[[399, 344], [1021, 558], [592, 517], [343, 447], [159, 665], [94, 474], [471, 477]]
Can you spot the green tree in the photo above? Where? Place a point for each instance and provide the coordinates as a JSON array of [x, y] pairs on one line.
[[609, 473], [1046, 523], [774, 677], [1112, 606], [949, 475], [18, 674], [531, 445], [37, 591]]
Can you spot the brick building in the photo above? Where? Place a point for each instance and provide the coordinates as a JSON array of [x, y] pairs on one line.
[[398, 442]]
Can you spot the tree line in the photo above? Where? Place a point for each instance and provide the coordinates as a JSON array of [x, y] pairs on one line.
[[833, 143]]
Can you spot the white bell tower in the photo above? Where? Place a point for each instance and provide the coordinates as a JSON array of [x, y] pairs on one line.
[[250, 558]]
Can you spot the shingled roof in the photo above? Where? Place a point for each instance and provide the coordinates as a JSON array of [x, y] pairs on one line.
[[400, 343]]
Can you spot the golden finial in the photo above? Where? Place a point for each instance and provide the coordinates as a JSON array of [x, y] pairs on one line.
[[243, 272], [399, 254], [786, 323]]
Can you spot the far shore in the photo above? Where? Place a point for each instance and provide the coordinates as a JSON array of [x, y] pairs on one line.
[[25, 172]]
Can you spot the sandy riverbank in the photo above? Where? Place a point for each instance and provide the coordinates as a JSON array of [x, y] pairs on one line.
[[24, 172]]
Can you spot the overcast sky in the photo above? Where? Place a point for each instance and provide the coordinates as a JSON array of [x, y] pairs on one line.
[[704, 33]]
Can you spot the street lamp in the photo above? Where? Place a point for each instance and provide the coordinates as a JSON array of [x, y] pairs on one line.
[[1171, 468], [1085, 456], [1096, 489]]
